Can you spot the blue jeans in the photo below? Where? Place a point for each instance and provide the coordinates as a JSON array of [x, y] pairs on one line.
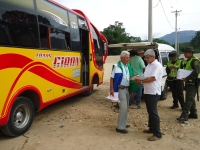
[[132, 99], [138, 97]]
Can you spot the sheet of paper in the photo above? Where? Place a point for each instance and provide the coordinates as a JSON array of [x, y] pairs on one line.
[[113, 98], [138, 77], [183, 73]]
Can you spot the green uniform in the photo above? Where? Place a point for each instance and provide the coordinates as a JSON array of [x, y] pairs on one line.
[[190, 87], [175, 85]]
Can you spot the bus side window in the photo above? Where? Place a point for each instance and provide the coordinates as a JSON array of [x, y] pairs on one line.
[[67, 39], [60, 40], [44, 37], [4, 36]]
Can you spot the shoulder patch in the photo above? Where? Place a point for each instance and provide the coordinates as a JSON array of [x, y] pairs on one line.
[[196, 62]]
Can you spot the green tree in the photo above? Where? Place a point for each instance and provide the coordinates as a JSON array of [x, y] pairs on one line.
[[195, 42], [116, 34]]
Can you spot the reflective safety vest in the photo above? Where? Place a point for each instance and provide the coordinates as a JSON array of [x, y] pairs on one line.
[[189, 67], [174, 72]]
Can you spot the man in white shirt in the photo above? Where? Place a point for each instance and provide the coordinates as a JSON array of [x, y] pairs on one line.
[[152, 92]]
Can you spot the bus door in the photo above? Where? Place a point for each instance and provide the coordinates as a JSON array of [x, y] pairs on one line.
[[85, 51], [84, 35]]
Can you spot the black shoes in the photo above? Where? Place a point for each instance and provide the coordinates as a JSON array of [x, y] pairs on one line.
[[121, 131], [181, 118], [173, 107], [116, 106], [193, 116]]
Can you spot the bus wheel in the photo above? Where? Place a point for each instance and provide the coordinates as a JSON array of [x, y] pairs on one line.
[[164, 92], [21, 117], [89, 92]]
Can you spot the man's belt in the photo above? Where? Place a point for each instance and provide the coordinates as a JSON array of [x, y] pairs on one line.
[[122, 87]]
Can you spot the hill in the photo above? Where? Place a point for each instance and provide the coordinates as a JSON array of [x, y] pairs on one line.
[[184, 36]]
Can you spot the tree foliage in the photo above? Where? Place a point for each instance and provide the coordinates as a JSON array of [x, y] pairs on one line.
[[116, 34], [195, 42]]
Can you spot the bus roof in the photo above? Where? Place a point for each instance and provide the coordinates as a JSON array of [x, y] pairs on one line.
[[64, 7]]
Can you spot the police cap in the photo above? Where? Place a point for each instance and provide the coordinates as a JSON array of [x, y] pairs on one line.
[[188, 49], [173, 54]]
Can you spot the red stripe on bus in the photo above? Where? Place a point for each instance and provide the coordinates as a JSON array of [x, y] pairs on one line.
[[13, 61], [49, 74]]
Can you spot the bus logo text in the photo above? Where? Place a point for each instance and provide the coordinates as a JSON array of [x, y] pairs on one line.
[[65, 61]]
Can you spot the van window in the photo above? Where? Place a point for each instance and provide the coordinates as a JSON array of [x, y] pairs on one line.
[[164, 58]]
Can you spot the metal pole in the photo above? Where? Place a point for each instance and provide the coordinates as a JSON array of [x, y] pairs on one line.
[[176, 13], [178, 41], [150, 22], [176, 31]]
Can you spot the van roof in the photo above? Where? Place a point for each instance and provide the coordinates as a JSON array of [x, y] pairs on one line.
[[141, 45]]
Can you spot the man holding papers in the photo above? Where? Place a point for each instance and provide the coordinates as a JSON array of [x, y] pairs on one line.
[[176, 85], [152, 92], [120, 82], [192, 64]]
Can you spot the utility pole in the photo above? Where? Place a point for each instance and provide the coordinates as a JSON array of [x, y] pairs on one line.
[[176, 37], [178, 40], [150, 22]]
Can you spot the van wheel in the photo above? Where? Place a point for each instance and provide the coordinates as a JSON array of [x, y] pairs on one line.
[[21, 117], [89, 92], [164, 92]]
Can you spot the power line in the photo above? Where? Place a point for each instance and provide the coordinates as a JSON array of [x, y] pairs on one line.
[[157, 4], [166, 15]]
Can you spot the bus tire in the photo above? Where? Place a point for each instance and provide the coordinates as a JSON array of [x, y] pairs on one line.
[[89, 92], [21, 117], [164, 92]]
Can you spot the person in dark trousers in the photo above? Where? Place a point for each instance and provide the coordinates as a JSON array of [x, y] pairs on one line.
[[192, 64], [176, 85], [152, 92]]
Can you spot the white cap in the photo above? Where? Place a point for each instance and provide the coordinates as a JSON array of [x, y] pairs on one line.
[[150, 52]]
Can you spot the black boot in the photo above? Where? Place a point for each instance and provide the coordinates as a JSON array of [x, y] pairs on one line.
[[182, 118], [174, 106], [193, 116]]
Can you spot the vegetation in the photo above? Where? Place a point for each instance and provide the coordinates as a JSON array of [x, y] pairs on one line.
[[116, 34]]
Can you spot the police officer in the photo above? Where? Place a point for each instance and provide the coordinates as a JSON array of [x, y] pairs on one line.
[[192, 64], [175, 85]]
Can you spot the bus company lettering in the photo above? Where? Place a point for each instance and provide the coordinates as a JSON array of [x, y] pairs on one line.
[[43, 55], [65, 61]]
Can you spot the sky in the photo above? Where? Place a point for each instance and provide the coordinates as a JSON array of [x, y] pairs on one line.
[[134, 15]]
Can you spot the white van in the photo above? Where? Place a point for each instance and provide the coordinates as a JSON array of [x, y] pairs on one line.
[[161, 50]]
